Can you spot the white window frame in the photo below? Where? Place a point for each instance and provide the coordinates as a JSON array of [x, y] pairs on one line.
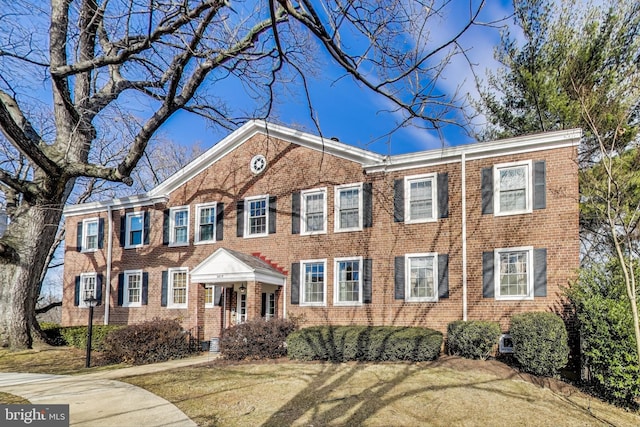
[[336, 281], [84, 277], [85, 234], [197, 238], [530, 277], [303, 210], [172, 225], [125, 294], [212, 289], [130, 216], [407, 275], [433, 177], [170, 288], [527, 165], [247, 216], [303, 290], [338, 190], [270, 302]]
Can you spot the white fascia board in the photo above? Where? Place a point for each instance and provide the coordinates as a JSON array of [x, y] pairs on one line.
[[520, 144], [120, 203]]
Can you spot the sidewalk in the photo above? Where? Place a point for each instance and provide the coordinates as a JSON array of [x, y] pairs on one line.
[[96, 399]]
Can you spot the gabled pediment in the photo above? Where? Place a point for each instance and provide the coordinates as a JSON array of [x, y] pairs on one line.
[[229, 266]]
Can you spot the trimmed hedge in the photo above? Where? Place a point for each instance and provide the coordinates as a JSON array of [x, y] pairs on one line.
[[474, 339], [540, 342], [256, 339], [153, 341], [364, 343], [76, 336]]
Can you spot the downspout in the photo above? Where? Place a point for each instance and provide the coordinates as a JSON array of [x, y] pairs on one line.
[[284, 299], [464, 236], [107, 300]]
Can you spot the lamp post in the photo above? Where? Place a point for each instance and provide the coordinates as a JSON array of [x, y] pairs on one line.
[[91, 301]]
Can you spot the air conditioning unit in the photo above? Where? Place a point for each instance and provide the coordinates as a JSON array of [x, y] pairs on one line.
[[506, 344]]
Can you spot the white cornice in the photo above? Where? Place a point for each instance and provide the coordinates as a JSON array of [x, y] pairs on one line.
[[120, 203]]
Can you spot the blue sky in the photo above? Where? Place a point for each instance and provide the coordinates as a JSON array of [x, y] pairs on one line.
[[359, 117]]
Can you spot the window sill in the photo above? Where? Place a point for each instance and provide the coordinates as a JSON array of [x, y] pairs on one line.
[[347, 304], [511, 213], [181, 306], [313, 304], [176, 245], [431, 299], [204, 242], [347, 230]]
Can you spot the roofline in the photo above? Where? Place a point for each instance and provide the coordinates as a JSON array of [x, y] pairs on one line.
[[138, 200]]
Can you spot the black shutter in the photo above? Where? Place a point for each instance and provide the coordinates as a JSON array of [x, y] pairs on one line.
[[99, 288], [165, 226], [367, 205], [295, 283], [399, 277], [240, 218], [488, 283], [217, 295], [295, 212], [165, 288], [100, 233], [539, 185], [443, 276], [219, 221], [120, 289], [398, 200], [263, 310], [443, 195], [123, 229], [147, 226], [272, 214], [76, 292], [145, 289], [367, 279], [487, 191], [79, 237], [539, 272]]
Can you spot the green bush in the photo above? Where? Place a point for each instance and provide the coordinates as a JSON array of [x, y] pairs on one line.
[[364, 343], [153, 341], [540, 342], [257, 339], [76, 336], [608, 345], [52, 332], [474, 339]]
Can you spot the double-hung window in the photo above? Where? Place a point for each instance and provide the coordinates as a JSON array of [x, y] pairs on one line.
[[421, 277], [313, 281], [314, 208], [512, 189], [348, 208], [514, 273], [178, 288], [348, 281], [206, 225], [208, 296], [422, 198], [88, 288], [132, 293], [90, 237], [135, 229], [257, 211], [179, 232]]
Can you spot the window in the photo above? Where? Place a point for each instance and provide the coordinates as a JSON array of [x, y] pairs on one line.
[[90, 239], [514, 273], [512, 188], [421, 277], [177, 288], [88, 288], [208, 297], [348, 281], [348, 207], [179, 232], [422, 197], [313, 282], [135, 229], [269, 301], [242, 309], [314, 207], [256, 210], [206, 225], [132, 292]]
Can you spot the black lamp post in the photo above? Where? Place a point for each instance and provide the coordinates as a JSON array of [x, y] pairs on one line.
[[91, 301]]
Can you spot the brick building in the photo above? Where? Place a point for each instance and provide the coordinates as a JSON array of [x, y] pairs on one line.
[[274, 222]]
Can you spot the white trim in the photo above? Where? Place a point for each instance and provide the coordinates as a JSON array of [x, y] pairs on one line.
[[125, 289], [433, 177], [407, 277], [127, 230], [170, 273], [137, 201], [172, 225], [338, 189], [85, 224], [496, 273], [303, 211], [336, 280], [213, 295], [527, 164], [247, 226], [82, 289], [323, 303], [196, 231]]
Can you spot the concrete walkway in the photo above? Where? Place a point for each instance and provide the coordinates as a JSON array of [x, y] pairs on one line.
[[96, 399]]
